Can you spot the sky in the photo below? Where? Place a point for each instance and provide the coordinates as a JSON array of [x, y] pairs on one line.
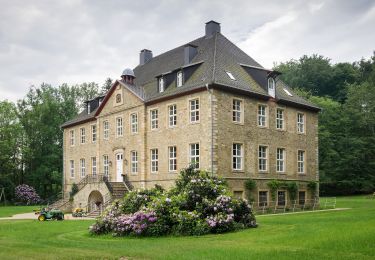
[[74, 41]]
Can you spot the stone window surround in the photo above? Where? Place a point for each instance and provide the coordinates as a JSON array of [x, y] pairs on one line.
[[303, 123], [72, 137], [94, 133], [169, 115], [106, 130], [282, 119], [195, 156], [119, 128], [283, 160], [154, 158], [241, 157], [82, 131], [172, 159], [241, 111], [268, 196], [156, 119], [132, 124], [304, 162], [196, 111], [277, 198], [267, 158], [134, 162], [266, 112]]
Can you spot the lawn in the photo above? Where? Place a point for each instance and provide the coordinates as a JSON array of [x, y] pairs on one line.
[[348, 234], [8, 211]]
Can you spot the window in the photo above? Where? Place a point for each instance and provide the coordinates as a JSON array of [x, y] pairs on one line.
[[93, 133], [172, 111], [134, 162], [279, 118], [83, 167], [237, 111], [230, 75], [262, 115], [118, 98], [172, 158], [194, 155], [301, 161], [263, 198], [71, 137], [83, 135], [154, 160], [161, 84], [262, 158], [106, 165], [154, 119], [280, 160], [271, 87], [301, 197], [194, 110], [119, 126], [93, 166], [179, 79], [281, 198], [106, 130], [134, 123], [300, 123], [71, 168], [237, 155]]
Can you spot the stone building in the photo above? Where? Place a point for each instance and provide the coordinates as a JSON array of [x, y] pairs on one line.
[[206, 102]]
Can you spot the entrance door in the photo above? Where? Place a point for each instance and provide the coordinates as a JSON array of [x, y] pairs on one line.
[[119, 164]]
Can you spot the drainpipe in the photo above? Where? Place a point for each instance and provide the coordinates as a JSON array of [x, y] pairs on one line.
[[212, 131]]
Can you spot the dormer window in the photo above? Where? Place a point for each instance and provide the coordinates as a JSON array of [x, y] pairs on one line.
[[179, 79], [271, 87], [88, 108], [161, 84]]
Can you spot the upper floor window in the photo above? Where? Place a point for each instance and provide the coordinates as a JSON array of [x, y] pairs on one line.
[[271, 87], [134, 123], [301, 161], [172, 164], [119, 126], [106, 129], [280, 160], [194, 155], [106, 165], [172, 115], [83, 135], [154, 160], [262, 158], [134, 162], [179, 79], [71, 168], [93, 166], [262, 116], [71, 133], [83, 167], [300, 123], [118, 98], [194, 110], [93, 133], [154, 119], [161, 84], [237, 155], [280, 118], [237, 111]]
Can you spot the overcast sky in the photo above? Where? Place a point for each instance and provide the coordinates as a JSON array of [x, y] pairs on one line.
[[82, 41]]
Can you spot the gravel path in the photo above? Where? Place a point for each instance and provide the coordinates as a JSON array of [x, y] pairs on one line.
[[33, 216]]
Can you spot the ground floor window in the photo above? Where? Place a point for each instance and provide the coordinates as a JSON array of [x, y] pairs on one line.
[[301, 197], [281, 198], [263, 198], [154, 160], [194, 155], [238, 194], [172, 151], [134, 161]]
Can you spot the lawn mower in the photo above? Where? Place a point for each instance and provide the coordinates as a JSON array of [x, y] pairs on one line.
[[54, 214]]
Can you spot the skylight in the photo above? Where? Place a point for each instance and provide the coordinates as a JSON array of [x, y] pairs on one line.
[[230, 75], [287, 91]]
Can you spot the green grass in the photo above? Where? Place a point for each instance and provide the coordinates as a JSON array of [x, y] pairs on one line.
[[8, 211], [348, 234]]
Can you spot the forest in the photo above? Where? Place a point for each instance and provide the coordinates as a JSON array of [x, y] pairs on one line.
[[31, 137]]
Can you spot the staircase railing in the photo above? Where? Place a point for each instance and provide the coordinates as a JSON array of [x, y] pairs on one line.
[[127, 183], [92, 179]]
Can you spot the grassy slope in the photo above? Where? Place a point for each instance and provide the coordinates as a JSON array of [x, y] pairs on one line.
[[346, 234], [8, 211]]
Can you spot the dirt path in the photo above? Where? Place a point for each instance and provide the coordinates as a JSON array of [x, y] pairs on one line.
[[33, 216]]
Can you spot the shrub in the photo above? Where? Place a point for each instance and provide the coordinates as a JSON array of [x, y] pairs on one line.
[[250, 186], [26, 194], [74, 190]]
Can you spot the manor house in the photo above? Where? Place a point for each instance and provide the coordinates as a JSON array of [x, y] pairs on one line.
[[205, 103]]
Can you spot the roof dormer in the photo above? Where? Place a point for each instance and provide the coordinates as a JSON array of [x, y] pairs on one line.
[[271, 86]]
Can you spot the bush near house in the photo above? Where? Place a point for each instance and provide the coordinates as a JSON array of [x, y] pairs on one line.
[[198, 205], [26, 194]]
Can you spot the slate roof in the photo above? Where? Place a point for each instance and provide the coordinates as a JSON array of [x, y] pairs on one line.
[[215, 56]]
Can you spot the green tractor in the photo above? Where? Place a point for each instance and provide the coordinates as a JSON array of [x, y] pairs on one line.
[[54, 214]]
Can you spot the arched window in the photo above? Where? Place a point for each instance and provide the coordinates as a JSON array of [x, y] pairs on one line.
[[271, 87], [179, 79]]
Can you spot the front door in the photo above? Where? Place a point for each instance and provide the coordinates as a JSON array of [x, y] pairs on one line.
[[119, 163]]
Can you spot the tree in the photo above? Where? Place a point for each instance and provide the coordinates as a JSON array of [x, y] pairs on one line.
[[106, 86]]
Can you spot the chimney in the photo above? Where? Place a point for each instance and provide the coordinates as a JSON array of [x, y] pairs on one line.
[[145, 56], [189, 53], [212, 27]]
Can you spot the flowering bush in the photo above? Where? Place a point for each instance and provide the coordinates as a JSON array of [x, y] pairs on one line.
[[199, 204], [26, 194]]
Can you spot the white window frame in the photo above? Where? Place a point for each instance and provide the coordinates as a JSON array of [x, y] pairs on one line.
[[194, 155], [93, 133], [82, 163], [154, 119], [134, 123], [237, 113], [119, 126], [300, 123], [271, 87], [280, 119], [172, 158], [134, 162], [93, 166], [161, 85], [106, 165], [280, 160], [301, 161], [154, 159], [82, 131], [263, 158], [262, 115], [106, 130], [172, 115], [194, 113], [72, 137], [71, 163], [179, 79], [237, 155]]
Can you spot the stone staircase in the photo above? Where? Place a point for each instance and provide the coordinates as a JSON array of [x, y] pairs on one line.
[[118, 190], [59, 204]]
